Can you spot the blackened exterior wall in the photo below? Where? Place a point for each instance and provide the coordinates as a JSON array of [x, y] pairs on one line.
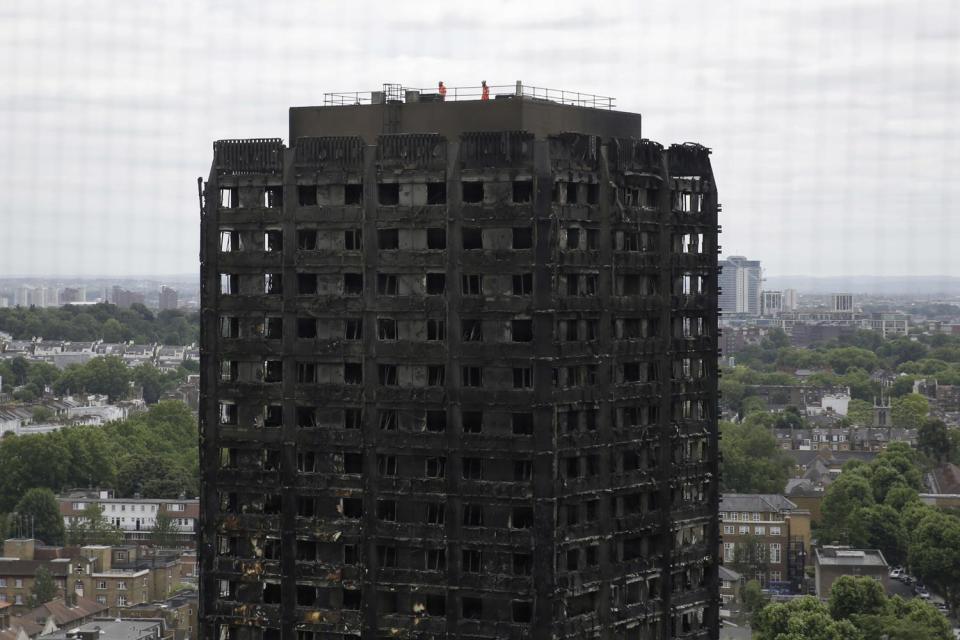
[[543, 464]]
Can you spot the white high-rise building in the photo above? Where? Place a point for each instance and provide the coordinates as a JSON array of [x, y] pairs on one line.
[[740, 283], [790, 300], [771, 303], [841, 302]]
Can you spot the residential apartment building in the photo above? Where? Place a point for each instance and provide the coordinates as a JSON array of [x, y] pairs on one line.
[[116, 577], [740, 282], [136, 517], [764, 537], [458, 376]]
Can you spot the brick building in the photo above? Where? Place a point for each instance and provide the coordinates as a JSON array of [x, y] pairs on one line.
[[459, 375], [765, 537]]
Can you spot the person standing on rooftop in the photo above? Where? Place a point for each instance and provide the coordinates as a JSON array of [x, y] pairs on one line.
[[485, 95], [442, 90]]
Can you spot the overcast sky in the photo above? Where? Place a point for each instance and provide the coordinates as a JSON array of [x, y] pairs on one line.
[[834, 123]]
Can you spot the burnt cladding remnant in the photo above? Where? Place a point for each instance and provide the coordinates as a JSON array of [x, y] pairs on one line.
[[459, 379]]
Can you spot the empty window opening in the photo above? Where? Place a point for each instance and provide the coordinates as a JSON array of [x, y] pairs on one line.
[[386, 329], [522, 564], [386, 465], [472, 469], [472, 421], [352, 373], [229, 284], [386, 556], [436, 514], [522, 424], [228, 370], [436, 421], [521, 330], [473, 515], [436, 284], [573, 238], [273, 197], [273, 241], [436, 330], [353, 240], [306, 284], [436, 193], [387, 419], [272, 328], [388, 193], [522, 610], [307, 462], [388, 239], [273, 416], [351, 599], [229, 327], [306, 328], [351, 507], [307, 195], [522, 191], [572, 192], [521, 518], [352, 284], [436, 238], [522, 470], [522, 284], [435, 467], [271, 593], [353, 463], [472, 238], [473, 191], [228, 198], [230, 241], [471, 330], [593, 193], [387, 375], [306, 372], [353, 194], [228, 413], [306, 417], [352, 418], [436, 375], [307, 240], [472, 285], [386, 284], [273, 283], [472, 561], [523, 378], [436, 605], [273, 371], [472, 376], [522, 237], [353, 329]]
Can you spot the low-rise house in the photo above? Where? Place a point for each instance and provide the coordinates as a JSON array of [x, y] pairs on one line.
[[730, 582], [58, 614], [832, 562]]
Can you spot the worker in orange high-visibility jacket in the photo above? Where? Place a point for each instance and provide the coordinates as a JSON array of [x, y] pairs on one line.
[[442, 90], [486, 90]]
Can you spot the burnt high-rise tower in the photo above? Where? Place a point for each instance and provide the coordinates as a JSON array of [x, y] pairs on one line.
[[459, 375]]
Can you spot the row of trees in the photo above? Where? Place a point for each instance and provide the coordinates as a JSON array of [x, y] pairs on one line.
[[858, 609], [105, 322], [107, 375], [876, 506], [152, 453]]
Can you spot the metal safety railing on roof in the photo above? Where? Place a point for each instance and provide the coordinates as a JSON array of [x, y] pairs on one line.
[[397, 94]]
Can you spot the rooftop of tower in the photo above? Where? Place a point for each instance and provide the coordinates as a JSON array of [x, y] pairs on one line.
[[516, 107]]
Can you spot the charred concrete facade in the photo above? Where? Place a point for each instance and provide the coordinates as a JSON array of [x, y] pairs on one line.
[[459, 378]]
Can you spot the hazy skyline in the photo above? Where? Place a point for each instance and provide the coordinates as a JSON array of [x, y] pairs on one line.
[[832, 123]]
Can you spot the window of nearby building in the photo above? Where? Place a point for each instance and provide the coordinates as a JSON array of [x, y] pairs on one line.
[[728, 530], [3, 582], [728, 551], [102, 584], [18, 583], [121, 600], [18, 599], [121, 585], [756, 516], [774, 531], [775, 553], [760, 531], [101, 599], [734, 516], [775, 576], [744, 530]]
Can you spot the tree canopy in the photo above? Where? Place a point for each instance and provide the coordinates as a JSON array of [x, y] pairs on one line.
[[106, 322], [38, 510], [753, 462]]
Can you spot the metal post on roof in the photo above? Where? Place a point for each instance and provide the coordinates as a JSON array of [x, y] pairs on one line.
[[519, 89]]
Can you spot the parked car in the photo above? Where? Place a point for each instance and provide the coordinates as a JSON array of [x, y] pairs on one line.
[[921, 592], [896, 572]]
